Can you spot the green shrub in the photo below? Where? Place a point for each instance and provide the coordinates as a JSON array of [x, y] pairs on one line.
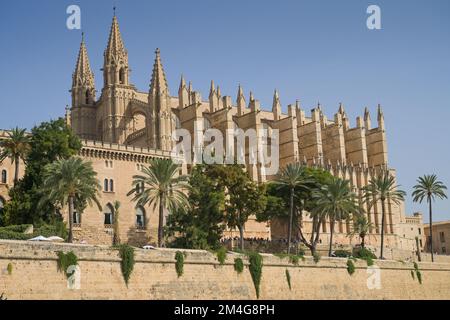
[[9, 268], [65, 260], [316, 257], [11, 235], [126, 254], [16, 232], [350, 267], [301, 252], [294, 260], [288, 279], [21, 228], [222, 255], [342, 253], [179, 264], [255, 267], [364, 254], [238, 265]]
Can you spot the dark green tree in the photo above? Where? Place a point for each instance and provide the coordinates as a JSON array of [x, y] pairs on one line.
[[243, 197], [48, 142], [201, 225]]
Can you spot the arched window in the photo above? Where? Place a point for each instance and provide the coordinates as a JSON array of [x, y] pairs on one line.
[[139, 188], [111, 185], [76, 217], [105, 185], [122, 76], [109, 215], [4, 176], [87, 97], [140, 218]]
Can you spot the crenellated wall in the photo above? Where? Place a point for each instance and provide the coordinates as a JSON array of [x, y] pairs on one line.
[[34, 276]]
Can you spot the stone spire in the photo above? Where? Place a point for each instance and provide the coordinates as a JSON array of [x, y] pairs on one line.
[[115, 66], [276, 106], [240, 101], [367, 121], [115, 45], [83, 75], [83, 84], [183, 94], [160, 120], [158, 83], [345, 120], [380, 117]]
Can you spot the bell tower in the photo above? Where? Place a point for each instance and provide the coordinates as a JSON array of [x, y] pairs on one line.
[[83, 96]]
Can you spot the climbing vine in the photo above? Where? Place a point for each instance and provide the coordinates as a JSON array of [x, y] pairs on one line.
[[65, 260], [9, 268], [179, 264], [255, 267], [222, 255], [350, 267], [418, 273], [126, 254], [288, 279], [238, 265]]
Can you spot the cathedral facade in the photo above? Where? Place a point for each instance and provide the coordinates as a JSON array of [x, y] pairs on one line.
[[122, 128]]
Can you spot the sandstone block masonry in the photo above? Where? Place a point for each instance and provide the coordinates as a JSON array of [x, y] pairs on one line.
[[34, 275]]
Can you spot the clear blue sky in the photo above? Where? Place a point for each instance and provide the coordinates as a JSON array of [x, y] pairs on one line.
[[308, 50]]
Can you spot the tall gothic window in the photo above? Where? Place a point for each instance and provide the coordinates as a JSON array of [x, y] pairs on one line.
[[122, 76], [111, 185], [140, 217], [109, 215], [76, 217], [105, 185], [4, 176]]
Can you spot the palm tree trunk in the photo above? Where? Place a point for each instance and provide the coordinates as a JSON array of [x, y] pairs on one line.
[[331, 237], [382, 229], [71, 209], [16, 173], [431, 228], [116, 237], [363, 243], [291, 213], [161, 222], [241, 235]]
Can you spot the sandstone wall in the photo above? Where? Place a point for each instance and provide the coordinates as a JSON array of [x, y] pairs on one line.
[[34, 276]]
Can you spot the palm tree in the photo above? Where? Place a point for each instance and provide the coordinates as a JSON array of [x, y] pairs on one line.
[[383, 188], [16, 146], [116, 236], [163, 186], [70, 182], [294, 178], [335, 201], [361, 227], [430, 188]]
